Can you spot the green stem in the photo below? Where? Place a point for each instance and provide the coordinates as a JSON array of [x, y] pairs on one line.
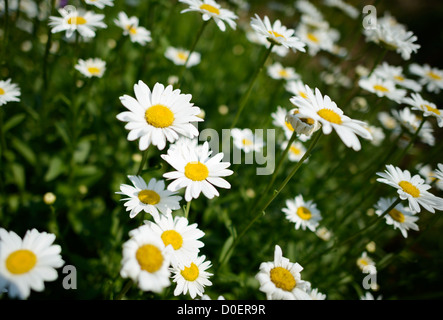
[[377, 62], [358, 233], [261, 211], [187, 207], [125, 289], [142, 163], [412, 141], [193, 46], [251, 85]]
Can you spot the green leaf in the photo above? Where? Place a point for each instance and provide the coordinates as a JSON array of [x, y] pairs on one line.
[[56, 167], [14, 121], [24, 150], [18, 173]]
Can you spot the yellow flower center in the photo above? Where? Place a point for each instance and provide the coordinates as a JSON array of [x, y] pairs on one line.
[[132, 30], [304, 213], [172, 237], [2, 92], [330, 115], [182, 56], [295, 151], [247, 142], [283, 279], [196, 171], [210, 8], [362, 261], [190, 273], [289, 126], [409, 188], [434, 76], [94, 70], [159, 116], [283, 73], [276, 34], [381, 88], [303, 94], [431, 109], [76, 20], [149, 257], [397, 215], [312, 38], [149, 197], [21, 261], [399, 78]]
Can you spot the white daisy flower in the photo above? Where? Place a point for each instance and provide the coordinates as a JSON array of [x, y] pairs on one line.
[[191, 276], [8, 92], [324, 110], [316, 39], [254, 37], [84, 22], [157, 116], [438, 175], [370, 296], [412, 122], [279, 120], [281, 279], [417, 102], [179, 56], [277, 34], [400, 217], [431, 78], [182, 236], [345, 7], [278, 72], [382, 88], [393, 37], [197, 171], [150, 198], [411, 188], [364, 262], [430, 175], [130, 26], [245, 139], [211, 9], [378, 135], [307, 8], [92, 67], [27, 263], [146, 260], [395, 74], [316, 295], [302, 124], [101, 4], [296, 151], [303, 213], [296, 88]]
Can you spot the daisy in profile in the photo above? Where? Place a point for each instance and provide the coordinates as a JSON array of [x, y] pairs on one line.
[[84, 22], [302, 124], [149, 197], [181, 56], [159, 115], [130, 26], [101, 4], [278, 72], [281, 279], [430, 175], [27, 263], [387, 121], [400, 217], [378, 135], [364, 262], [92, 67], [393, 36], [177, 232], [382, 88], [191, 276], [303, 213], [316, 39], [197, 171], [411, 188], [396, 75], [296, 150], [277, 33], [322, 109], [246, 140], [431, 78], [146, 260], [8, 92], [212, 10], [254, 37], [429, 109], [412, 122]]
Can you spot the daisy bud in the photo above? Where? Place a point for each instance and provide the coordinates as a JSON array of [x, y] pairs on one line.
[[301, 123]]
